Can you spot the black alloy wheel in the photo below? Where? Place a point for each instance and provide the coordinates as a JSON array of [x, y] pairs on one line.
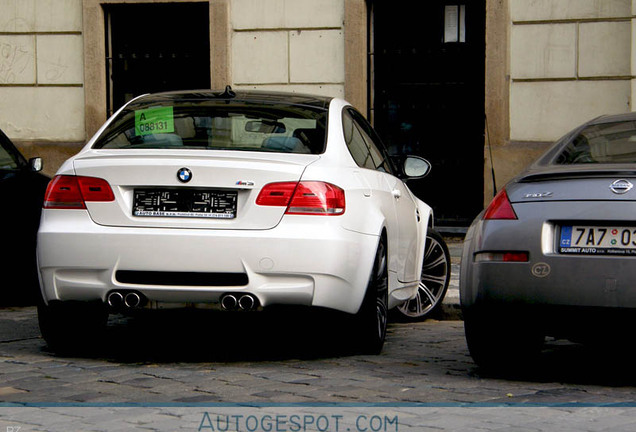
[[434, 280], [372, 319]]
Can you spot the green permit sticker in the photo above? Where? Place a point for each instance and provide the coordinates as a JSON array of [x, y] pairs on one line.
[[154, 121]]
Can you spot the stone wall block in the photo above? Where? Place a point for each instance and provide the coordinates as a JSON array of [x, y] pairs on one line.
[[60, 59], [260, 57], [605, 49], [17, 16], [543, 51], [317, 56], [548, 10], [17, 59], [58, 16], [333, 90], [286, 14], [44, 113], [544, 111]]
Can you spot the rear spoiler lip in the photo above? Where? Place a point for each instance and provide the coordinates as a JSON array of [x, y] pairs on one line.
[[575, 174]]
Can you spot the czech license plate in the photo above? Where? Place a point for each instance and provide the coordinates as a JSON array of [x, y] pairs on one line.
[[183, 202], [597, 240]]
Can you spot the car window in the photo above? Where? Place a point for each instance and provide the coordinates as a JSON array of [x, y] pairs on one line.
[[227, 125], [356, 143], [10, 159], [601, 143], [376, 148], [363, 143]]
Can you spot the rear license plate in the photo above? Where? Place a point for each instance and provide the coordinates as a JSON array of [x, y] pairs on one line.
[[597, 240], [187, 203]]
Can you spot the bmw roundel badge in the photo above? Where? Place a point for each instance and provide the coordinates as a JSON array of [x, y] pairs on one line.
[[184, 175]]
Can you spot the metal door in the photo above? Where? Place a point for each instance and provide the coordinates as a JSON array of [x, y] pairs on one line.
[[155, 47], [428, 63]]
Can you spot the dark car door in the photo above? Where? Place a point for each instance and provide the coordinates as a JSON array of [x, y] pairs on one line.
[[21, 193]]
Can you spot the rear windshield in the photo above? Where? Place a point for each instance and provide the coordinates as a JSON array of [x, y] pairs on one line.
[[218, 125], [601, 143]]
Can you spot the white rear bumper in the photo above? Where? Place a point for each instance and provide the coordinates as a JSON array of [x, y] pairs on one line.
[[318, 264]]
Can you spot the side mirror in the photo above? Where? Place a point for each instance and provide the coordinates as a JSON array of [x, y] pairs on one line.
[[416, 167], [36, 164]]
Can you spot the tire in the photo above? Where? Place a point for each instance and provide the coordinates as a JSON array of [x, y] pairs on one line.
[[372, 318], [500, 342], [434, 280], [72, 327]]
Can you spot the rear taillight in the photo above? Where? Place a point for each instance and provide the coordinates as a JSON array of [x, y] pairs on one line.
[[276, 194], [500, 207], [307, 197], [502, 256], [72, 192]]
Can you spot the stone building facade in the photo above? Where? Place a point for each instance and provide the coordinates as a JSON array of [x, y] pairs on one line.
[[546, 65], [567, 61]]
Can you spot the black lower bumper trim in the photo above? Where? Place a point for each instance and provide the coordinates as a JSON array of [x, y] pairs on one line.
[[181, 278]]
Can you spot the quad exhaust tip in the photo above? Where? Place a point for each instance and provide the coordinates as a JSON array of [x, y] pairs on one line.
[[132, 300], [115, 299], [125, 300], [245, 302], [229, 302]]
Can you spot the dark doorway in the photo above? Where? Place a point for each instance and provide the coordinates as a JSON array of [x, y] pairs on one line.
[[428, 88], [156, 47]]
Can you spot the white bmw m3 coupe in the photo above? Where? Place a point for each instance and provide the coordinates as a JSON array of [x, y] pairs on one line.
[[230, 200]]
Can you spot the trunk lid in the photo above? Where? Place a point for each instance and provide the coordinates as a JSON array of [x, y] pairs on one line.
[[574, 184], [239, 173]]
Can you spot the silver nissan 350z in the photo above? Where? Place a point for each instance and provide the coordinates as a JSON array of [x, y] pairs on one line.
[[554, 254]]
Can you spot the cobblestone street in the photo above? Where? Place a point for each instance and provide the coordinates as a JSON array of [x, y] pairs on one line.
[[271, 365], [179, 366]]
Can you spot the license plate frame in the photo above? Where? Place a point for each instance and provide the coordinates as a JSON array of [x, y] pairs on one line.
[[184, 203], [590, 239]]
